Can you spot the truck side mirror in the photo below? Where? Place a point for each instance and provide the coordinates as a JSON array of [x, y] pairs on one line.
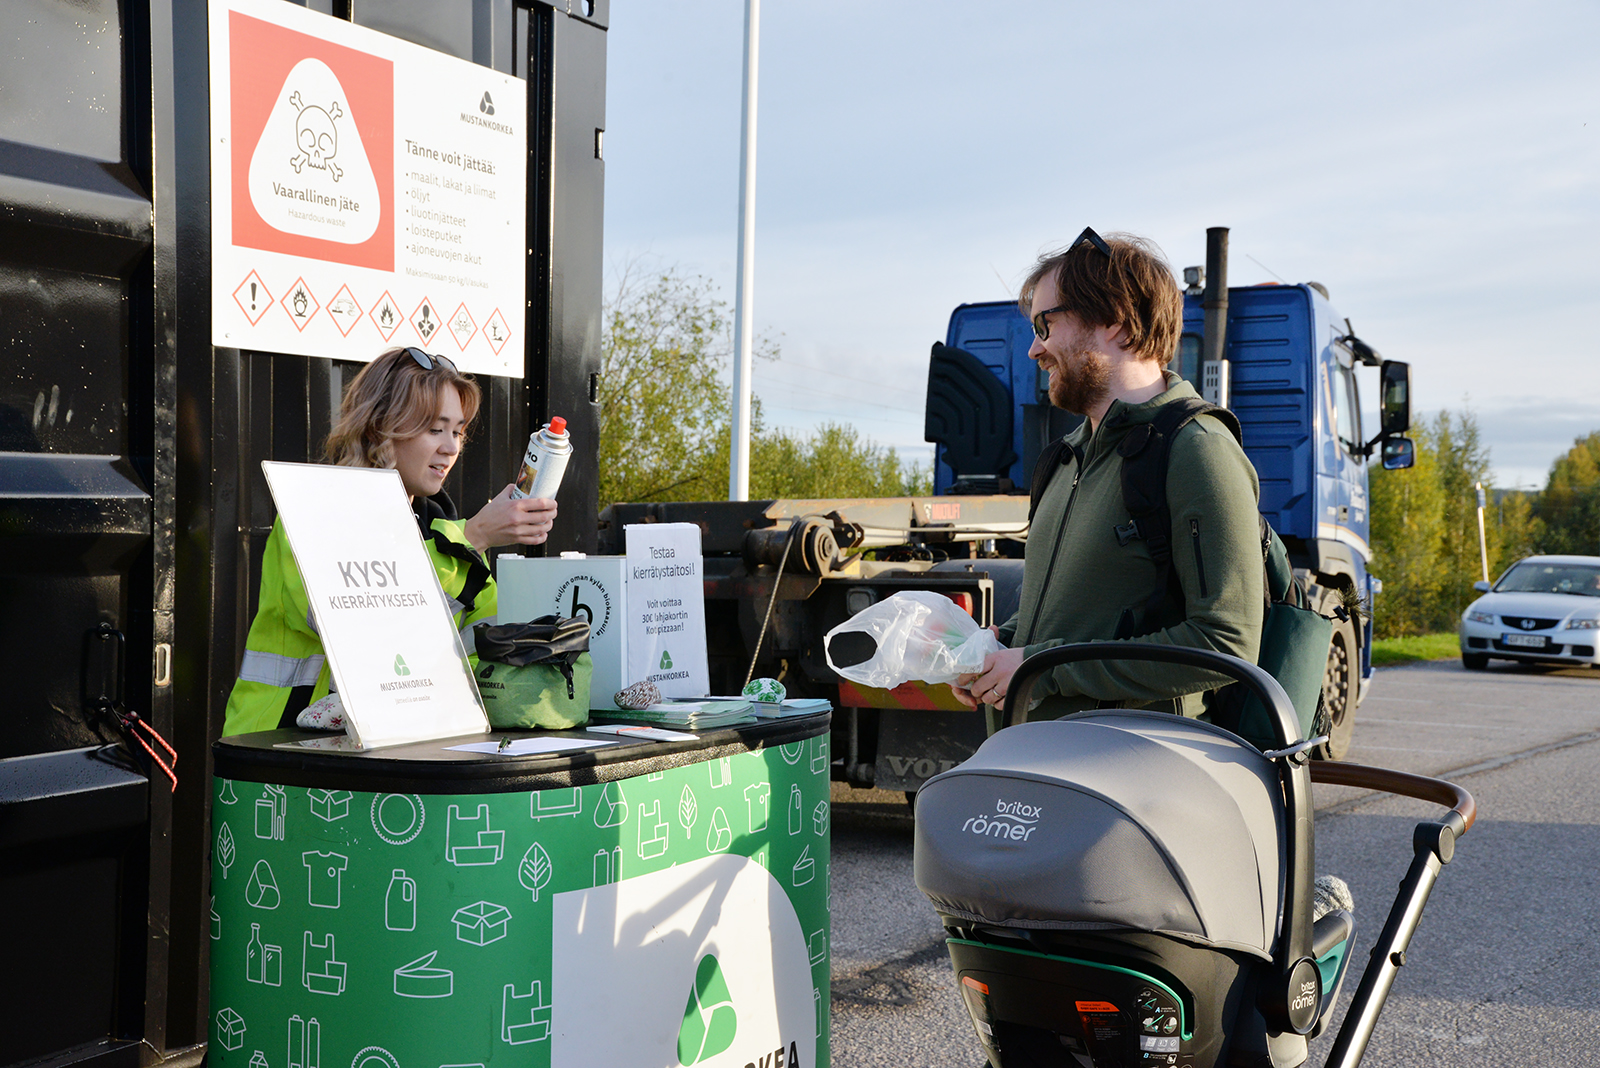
[[1481, 586], [1398, 453], [1394, 403]]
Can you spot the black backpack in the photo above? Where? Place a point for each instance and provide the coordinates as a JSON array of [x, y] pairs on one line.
[[1294, 638]]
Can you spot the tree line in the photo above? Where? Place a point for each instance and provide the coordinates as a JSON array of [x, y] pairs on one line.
[[665, 409], [1425, 544]]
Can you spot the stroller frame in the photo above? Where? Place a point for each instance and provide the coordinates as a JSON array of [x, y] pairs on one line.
[[1294, 961]]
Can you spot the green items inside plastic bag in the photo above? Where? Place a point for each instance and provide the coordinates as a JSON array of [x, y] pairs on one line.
[[535, 674]]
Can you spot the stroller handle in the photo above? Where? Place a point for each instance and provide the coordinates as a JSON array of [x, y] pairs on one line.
[[1389, 781], [1266, 687]]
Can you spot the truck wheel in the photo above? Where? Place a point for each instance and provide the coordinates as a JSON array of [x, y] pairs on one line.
[[1475, 661], [1339, 691]]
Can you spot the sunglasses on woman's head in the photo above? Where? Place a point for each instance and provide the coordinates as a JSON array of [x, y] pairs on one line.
[[428, 362]]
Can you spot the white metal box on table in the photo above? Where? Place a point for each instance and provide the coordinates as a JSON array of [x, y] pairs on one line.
[[593, 586]]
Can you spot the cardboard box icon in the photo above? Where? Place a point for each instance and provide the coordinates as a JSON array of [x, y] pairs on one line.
[[482, 923], [230, 1029], [330, 805]]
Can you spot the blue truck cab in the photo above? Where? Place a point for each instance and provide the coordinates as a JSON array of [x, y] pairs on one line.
[[1290, 375]]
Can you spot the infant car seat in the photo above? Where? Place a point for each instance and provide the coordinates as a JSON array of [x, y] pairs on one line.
[[1132, 888]]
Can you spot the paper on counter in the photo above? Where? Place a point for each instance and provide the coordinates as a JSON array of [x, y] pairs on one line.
[[531, 746], [654, 734]]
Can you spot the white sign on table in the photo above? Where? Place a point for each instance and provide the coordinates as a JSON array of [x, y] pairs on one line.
[[666, 607], [366, 192], [392, 644]]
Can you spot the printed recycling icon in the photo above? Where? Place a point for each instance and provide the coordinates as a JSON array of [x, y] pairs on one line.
[[482, 923], [535, 870], [262, 890], [709, 1020], [612, 808]]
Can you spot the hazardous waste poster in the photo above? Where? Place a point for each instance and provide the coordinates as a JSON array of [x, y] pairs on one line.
[[366, 193]]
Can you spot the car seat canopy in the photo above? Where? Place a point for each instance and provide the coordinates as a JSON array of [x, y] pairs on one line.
[[1109, 820]]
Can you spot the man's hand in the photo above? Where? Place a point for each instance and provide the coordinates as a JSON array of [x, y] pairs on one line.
[[508, 520], [990, 685]]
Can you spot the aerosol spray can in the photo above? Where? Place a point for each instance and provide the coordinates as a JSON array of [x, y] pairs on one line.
[[545, 461]]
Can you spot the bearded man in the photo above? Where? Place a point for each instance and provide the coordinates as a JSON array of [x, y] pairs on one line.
[[1107, 315]]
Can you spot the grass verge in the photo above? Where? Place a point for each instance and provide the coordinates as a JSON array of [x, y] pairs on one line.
[[1387, 652]]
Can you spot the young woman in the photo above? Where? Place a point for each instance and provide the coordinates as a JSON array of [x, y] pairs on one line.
[[409, 411]]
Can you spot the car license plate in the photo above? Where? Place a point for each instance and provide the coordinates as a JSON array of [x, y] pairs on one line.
[[1525, 641]]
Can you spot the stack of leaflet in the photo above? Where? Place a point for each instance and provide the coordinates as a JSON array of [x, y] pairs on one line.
[[697, 714], [793, 706]]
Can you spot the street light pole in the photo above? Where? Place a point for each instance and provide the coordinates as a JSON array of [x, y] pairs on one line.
[[743, 307], [1483, 543]]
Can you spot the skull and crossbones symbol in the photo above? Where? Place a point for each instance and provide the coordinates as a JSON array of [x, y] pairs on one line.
[[316, 136]]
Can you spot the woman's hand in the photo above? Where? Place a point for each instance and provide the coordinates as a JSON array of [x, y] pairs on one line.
[[509, 520]]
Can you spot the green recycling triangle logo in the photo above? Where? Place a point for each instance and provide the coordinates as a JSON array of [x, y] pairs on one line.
[[709, 1022], [666, 660]]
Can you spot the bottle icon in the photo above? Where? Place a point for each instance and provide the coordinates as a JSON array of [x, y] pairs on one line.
[[400, 904], [796, 817], [545, 462], [262, 963], [254, 961]]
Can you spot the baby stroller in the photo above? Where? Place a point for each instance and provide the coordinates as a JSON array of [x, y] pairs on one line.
[[1129, 888]]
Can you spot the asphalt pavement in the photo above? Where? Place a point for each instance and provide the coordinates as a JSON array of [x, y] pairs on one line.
[[1499, 973]]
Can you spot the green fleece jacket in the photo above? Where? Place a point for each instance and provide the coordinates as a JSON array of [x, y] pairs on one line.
[[1078, 582]]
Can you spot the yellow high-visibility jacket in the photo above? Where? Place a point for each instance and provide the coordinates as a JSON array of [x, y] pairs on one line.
[[285, 668]]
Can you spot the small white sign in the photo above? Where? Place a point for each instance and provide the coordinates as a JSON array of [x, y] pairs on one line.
[[365, 192], [392, 644], [666, 621]]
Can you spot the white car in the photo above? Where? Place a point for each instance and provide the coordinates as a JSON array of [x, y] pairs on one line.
[[1544, 610]]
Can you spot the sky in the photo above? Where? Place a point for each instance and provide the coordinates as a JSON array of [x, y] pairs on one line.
[[1436, 166]]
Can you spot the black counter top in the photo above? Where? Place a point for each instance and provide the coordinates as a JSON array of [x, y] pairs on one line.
[[432, 767]]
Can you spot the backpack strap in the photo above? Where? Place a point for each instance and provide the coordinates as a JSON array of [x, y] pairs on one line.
[[1054, 455], [1145, 451]]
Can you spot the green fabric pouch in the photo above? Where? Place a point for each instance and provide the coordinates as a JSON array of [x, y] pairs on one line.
[[1294, 650], [535, 674]]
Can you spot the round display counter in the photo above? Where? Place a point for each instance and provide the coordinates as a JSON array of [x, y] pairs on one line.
[[649, 903]]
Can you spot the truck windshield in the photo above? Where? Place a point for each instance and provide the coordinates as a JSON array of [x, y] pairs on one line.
[[1580, 579]]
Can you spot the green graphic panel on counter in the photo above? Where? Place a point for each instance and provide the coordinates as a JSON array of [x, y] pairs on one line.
[[674, 919]]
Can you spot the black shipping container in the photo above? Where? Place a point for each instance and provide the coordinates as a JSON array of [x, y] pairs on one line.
[[132, 507]]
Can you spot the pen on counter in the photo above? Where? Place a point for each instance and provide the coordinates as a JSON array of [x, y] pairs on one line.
[[505, 743]]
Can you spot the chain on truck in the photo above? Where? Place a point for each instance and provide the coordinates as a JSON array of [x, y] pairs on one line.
[[1279, 356]]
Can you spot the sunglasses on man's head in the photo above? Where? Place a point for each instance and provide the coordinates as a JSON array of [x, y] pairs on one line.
[[427, 362], [1093, 238], [1041, 325]]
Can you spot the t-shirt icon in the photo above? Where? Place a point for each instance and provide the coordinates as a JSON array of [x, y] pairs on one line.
[[756, 797], [324, 871]]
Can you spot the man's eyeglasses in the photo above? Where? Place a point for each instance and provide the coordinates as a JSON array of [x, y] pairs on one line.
[[1041, 325], [427, 362]]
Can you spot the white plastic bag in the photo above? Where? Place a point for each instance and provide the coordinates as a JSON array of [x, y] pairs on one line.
[[913, 635]]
